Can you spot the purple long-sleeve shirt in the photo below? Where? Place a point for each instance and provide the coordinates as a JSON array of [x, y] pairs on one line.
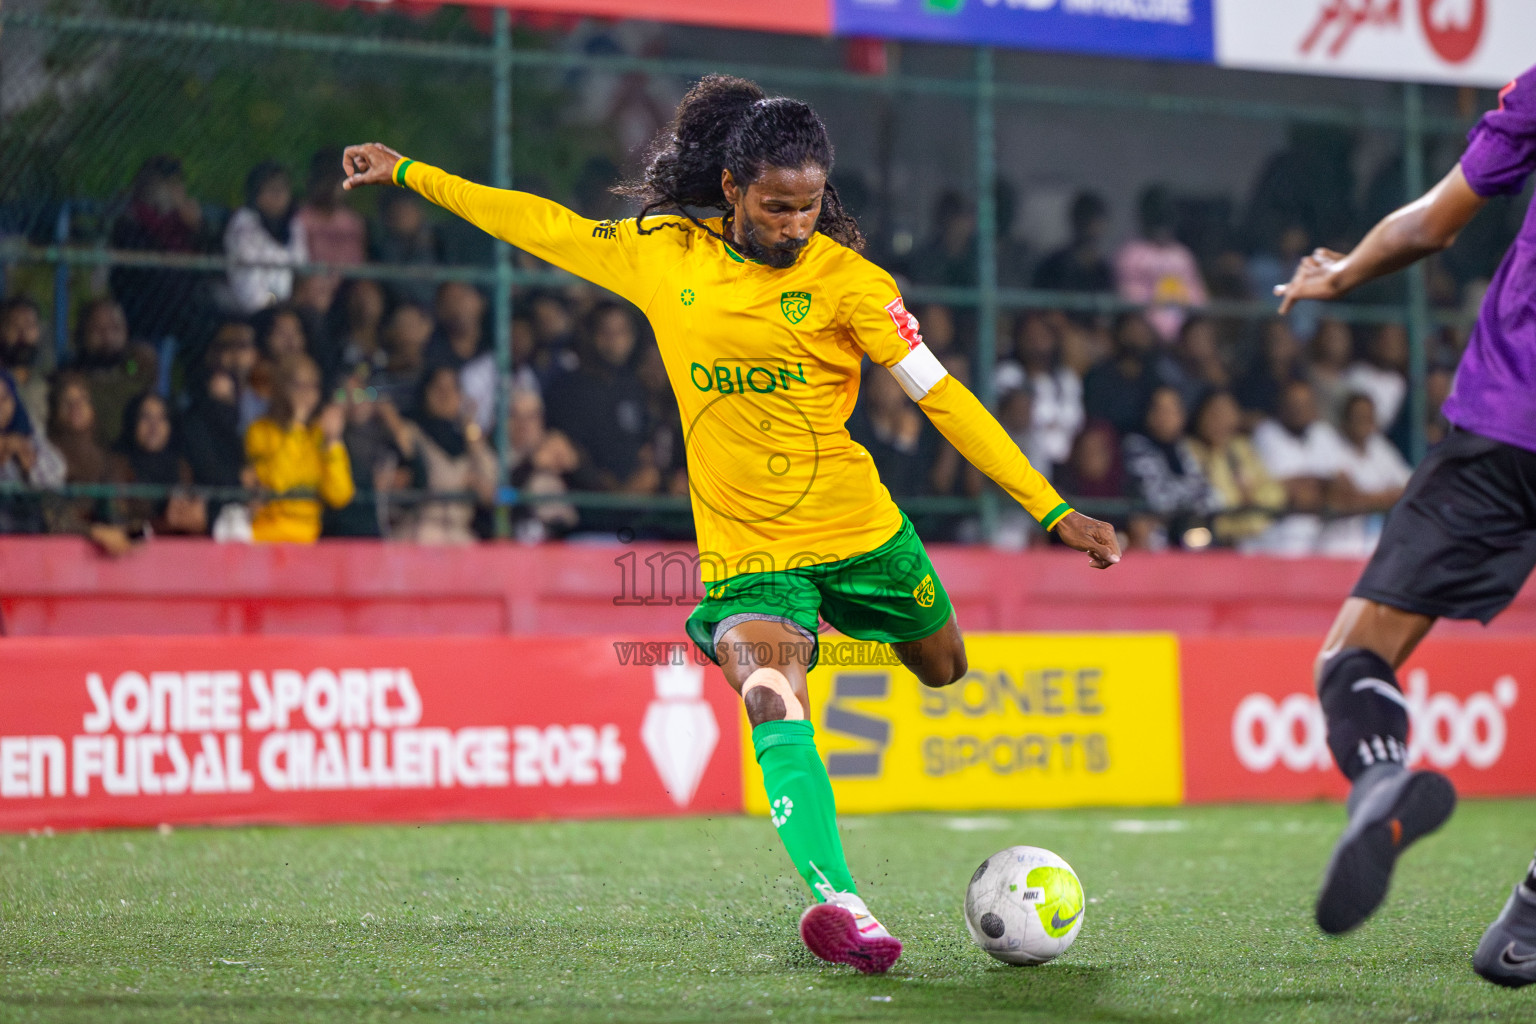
[[1495, 391]]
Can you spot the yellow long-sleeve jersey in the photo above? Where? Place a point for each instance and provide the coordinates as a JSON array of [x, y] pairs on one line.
[[765, 366], [292, 459]]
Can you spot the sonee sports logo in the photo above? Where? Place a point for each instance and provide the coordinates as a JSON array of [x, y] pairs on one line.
[[783, 807], [1443, 729]]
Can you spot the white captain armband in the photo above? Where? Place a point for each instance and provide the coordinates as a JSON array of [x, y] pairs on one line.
[[918, 372]]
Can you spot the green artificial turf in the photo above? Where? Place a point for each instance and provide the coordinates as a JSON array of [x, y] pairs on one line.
[[1195, 914]]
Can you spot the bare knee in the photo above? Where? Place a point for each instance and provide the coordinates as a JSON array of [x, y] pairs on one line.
[[1390, 633], [939, 666], [768, 696]]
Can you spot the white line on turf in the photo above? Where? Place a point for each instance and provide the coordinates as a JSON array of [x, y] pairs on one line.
[[1140, 826], [976, 824]]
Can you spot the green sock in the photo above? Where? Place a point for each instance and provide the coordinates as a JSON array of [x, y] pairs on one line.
[[800, 798]]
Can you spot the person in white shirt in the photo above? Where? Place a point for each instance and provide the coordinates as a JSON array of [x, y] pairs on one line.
[[1305, 453], [1372, 475], [1383, 373], [267, 238], [1055, 390]]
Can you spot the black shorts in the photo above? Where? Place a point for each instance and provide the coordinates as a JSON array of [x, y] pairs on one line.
[[1461, 540]]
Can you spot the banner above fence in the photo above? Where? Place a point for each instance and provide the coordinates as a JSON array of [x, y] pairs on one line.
[[1466, 42], [805, 17], [1463, 42], [1165, 29]]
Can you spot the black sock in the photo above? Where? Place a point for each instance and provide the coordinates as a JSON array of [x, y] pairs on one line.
[[1367, 715]]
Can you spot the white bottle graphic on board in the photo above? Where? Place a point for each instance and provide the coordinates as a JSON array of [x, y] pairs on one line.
[[680, 731]]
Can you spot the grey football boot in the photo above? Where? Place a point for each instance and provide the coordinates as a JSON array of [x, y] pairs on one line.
[[1507, 954], [1389, 808]]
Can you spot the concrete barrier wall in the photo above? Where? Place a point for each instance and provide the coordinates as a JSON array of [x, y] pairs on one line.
[[63, 587]]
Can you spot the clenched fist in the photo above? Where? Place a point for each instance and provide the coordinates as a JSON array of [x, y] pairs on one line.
[[1096, 538], [372, 163]]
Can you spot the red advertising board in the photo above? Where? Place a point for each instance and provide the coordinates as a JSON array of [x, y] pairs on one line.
[[805, 17], [1253, 729], [144, 730]]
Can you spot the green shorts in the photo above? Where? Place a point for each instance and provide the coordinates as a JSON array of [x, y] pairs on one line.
[[890, 595]]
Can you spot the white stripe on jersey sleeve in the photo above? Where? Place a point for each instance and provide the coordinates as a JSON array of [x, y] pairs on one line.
[[918, 371]]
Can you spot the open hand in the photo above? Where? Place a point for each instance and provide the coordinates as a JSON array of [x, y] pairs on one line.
[[1097, 538], [372, 163], [1314, 279]]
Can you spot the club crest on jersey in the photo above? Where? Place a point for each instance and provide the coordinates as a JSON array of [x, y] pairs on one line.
[[795, 305], [906, 323], [924, 593]]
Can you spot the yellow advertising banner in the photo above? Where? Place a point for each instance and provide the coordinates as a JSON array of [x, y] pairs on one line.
[[1040, 720]]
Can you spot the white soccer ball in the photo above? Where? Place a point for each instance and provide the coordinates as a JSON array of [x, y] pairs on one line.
[[1024, 905]]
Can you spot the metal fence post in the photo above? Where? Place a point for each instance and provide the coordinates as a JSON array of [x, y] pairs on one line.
[[986, 251], [501, 176], [1418, 293], [61, 291]]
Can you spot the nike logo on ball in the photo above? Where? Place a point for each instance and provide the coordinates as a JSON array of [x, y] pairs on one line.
[[1057, 922], [1518, 961]]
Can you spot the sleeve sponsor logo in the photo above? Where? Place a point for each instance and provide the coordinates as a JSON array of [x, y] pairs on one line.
[[906, 324]]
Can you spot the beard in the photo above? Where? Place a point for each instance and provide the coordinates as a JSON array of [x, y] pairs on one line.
[[781, 256], [18, 357]]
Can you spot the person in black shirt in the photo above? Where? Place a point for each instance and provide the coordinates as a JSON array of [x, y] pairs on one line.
[[1081, 266], [601, 406], [1119, 389], [1277, 364]]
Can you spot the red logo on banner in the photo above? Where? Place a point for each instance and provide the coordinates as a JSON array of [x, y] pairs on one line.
[[1454, 28], [1253, 729], [906, 323], [1337, 21]]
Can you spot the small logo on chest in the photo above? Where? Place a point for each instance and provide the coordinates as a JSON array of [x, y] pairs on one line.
[[795, 305]]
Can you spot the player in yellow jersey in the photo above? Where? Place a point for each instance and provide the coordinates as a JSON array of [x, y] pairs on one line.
[[763, 316]]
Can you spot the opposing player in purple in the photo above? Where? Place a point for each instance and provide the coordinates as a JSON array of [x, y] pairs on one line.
[[1459, 543]]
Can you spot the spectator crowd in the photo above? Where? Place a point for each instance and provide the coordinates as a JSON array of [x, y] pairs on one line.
[[360, 406]]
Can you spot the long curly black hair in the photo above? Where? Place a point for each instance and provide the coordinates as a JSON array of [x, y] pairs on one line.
[[727, 122]]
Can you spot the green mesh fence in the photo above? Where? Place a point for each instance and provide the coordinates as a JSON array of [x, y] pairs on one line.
[[90, 91]]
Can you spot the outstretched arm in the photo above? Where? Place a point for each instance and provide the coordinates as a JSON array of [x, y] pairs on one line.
[[880, 325], [604, 252], [977, 435], [1426, 225]]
